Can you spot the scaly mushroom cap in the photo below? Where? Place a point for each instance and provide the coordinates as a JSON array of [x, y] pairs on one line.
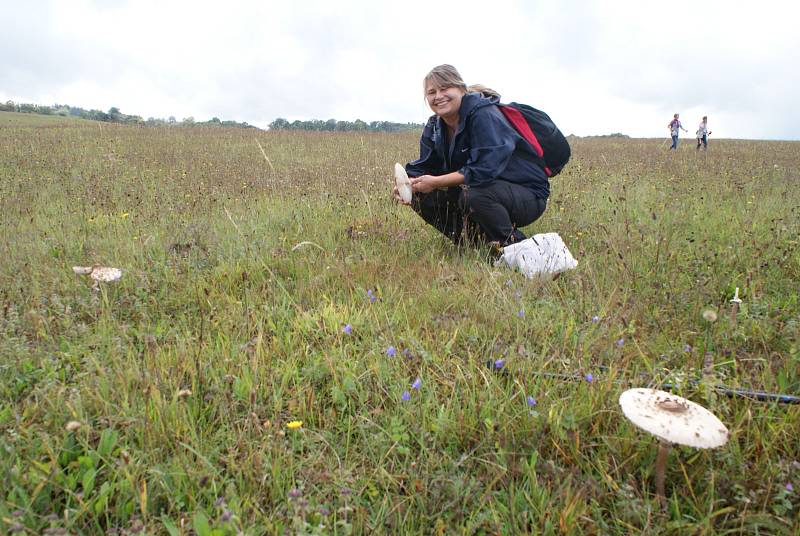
[[105, 274], [82, 270], [403, 184], [673, 418]]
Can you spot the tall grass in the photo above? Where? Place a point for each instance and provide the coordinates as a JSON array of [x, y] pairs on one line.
[[184, 375]]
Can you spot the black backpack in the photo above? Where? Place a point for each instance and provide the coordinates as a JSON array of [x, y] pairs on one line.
[[538, 129]]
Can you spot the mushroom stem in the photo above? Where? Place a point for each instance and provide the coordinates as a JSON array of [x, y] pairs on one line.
[[735, 301], [661, 465]]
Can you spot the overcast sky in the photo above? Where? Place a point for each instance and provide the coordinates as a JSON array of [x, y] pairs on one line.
[[595, 67]]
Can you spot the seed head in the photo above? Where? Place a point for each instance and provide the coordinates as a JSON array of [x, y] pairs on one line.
[[709, 315], [72, 426]]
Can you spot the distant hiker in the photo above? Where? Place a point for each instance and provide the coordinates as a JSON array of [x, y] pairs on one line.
[[674, 129], [476, 180], [703, 133]]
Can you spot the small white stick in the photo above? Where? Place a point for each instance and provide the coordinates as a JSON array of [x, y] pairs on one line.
[[306, 243], [230, 218], [266, 157]]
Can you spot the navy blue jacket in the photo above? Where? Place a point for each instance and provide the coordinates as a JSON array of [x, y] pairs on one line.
[[486, 148]]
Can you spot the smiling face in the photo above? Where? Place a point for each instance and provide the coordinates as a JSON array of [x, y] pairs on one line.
[[444, 101]]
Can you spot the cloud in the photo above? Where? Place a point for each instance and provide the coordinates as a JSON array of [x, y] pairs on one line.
[[624, 66]]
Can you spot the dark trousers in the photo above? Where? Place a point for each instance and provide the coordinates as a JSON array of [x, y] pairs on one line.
[[490, 213]]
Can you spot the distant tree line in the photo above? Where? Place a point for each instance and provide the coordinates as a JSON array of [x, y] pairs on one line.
[[332, 125], [113, 115]]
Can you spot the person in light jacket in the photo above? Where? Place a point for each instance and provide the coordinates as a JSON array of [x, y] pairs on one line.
[[703, 133]]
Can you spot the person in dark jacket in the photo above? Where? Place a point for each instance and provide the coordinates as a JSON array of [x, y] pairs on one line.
[[476, 179]]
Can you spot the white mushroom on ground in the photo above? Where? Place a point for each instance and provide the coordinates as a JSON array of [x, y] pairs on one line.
[[672, 419], [105, 274], [99, 273], [403, 184]]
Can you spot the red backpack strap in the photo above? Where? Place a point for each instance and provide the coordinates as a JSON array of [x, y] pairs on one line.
[[516, 119]]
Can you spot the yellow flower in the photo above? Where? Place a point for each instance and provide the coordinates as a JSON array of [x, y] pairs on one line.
[[294, 425]]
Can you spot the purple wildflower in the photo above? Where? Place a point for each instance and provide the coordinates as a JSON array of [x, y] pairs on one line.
[[499, 363], [417, 384], [407, 353], [347, 329], [324, 511], [531, 401], [595, 319], [227, 515], [406, 396], [620, 342], [391, 351], [687, 348], [521, 313], [509, 282], [589, 377], [294, 493], [789, 487]]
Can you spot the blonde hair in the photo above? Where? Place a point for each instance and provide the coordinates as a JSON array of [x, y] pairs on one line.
[[483, 90], [443, 76]]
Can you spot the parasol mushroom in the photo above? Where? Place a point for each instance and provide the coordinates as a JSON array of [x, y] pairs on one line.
[[99, 273], [105, 274], [403, 184], [672, 419]]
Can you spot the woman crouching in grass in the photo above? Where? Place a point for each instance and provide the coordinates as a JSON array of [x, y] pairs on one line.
[[476, 179]]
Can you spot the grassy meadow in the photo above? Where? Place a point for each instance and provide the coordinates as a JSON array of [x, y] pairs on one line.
[[262, 292]]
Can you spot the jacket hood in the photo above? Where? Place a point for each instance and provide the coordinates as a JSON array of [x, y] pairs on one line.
[[474, 101]]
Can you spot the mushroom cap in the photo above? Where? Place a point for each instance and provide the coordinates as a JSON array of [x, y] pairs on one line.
[[673, 418], [82, 270], [105, 274], [403, 184]]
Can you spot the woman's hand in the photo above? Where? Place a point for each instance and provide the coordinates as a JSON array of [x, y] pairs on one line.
[[396, 195], [423, 184]]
